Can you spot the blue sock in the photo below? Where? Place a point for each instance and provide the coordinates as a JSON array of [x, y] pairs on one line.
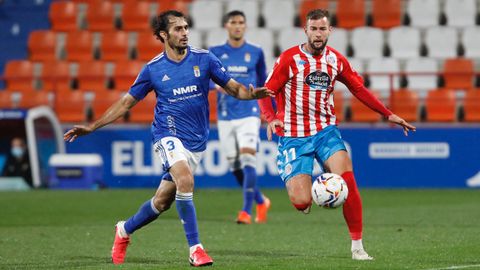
[[186, 212], [249, 181], [146, 214], [258, 196]]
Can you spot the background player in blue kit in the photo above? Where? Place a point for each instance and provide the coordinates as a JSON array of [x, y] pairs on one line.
[[180, 79], [239, 120]]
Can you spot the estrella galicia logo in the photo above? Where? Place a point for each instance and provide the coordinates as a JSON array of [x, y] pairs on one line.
[[318, 80]]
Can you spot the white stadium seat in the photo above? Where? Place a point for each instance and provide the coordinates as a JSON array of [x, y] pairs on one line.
[[339, 40], [382, 83], [471, 41], [216, 37], [290, 37], [195, 38], [262, 37], [206, 14], [404, 42], [421, 83], [441, 42], [423, 13], [460, 13], [367, 42], [278, 14]]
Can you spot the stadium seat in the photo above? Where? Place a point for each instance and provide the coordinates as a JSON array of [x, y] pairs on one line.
[[206, 14], [103, 101], [180, 5], [424, 82], [440, 105], [386, 13], [383, 83], [442, 42], [308, 5], [6, 100], [460, 13], [249, 7], [339, 40], [290, 37], [142, 112], [423, 13], [100, 16], [136, 16], [458, 73], [125, 73], [212, 104], [42, 45], [79, 46], [367, 42], [70, 106], [471, 42], [63, 16], [92, 75], [148, 46], [262, 37], [350, 13], [278, 14], [19, 75], [471, 105], [56, 75], [216, 37], [362, 113], [404, 42], [114, 46], [338, 101], [36, 98], [406, 103], [195, 38]]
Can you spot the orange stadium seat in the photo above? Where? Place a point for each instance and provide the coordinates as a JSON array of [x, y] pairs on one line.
[[35, 98], [125, 73], [307, 5], [55, 75], [6, 100], [212, 102], [100, 16], [406, 104], [92, 76], [70, 106], [63, 16], [338, 101], [387, 13], [441, 106], [148, 46], [362, 113], [41, 45], [19, 75], [471, 105], [351, 13], [114, 46], [142, 112], [79, 46], [103, 101], [180, 5], [135, 16], [458, 73]]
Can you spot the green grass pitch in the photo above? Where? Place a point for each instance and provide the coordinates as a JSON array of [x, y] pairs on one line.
[[403, 229]]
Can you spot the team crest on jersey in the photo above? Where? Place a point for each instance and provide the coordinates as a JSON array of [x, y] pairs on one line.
[[248, 57], [318, 80], [196, 71], [331, 60]]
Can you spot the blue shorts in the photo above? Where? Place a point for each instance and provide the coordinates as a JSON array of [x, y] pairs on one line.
[[296, 154]]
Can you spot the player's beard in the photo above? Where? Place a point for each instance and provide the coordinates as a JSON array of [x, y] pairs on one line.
[[319, 49], [180, 49]]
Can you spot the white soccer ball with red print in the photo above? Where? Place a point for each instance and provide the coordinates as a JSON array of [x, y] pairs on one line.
[[329, 190]]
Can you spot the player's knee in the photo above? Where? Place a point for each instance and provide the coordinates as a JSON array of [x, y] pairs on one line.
[[247, 159], [184, 184], [162, 204]]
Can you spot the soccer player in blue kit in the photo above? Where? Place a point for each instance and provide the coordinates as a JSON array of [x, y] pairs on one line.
[[179, 77], [239, 120]]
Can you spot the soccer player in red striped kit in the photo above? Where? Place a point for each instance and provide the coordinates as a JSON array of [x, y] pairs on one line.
[[303, 78]]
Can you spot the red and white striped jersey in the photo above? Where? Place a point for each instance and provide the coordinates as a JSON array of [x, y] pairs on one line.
[[303, 84]]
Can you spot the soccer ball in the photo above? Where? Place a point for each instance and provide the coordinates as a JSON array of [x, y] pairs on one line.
[[329, 190]]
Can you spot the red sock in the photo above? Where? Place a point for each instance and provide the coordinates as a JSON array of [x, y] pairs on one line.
[[352, 209]]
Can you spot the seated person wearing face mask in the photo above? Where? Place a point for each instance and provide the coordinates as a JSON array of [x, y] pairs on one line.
[[18, 161]]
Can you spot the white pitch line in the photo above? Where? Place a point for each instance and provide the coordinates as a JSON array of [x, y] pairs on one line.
[[456, 267]]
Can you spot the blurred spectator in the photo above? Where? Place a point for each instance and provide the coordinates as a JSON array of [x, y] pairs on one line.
[[18, 161]]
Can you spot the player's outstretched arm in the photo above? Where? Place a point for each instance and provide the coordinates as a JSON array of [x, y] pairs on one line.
[[393, 118], [115, 111], [239, 91]]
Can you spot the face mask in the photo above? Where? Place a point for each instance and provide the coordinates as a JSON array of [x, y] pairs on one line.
[[17, 152]]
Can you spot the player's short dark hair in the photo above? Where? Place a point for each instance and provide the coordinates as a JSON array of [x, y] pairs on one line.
[[317, 14], [233, 13], [161, 22]]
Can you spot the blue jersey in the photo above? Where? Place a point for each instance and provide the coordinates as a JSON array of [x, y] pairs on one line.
[[246, 64], [182, 95]]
